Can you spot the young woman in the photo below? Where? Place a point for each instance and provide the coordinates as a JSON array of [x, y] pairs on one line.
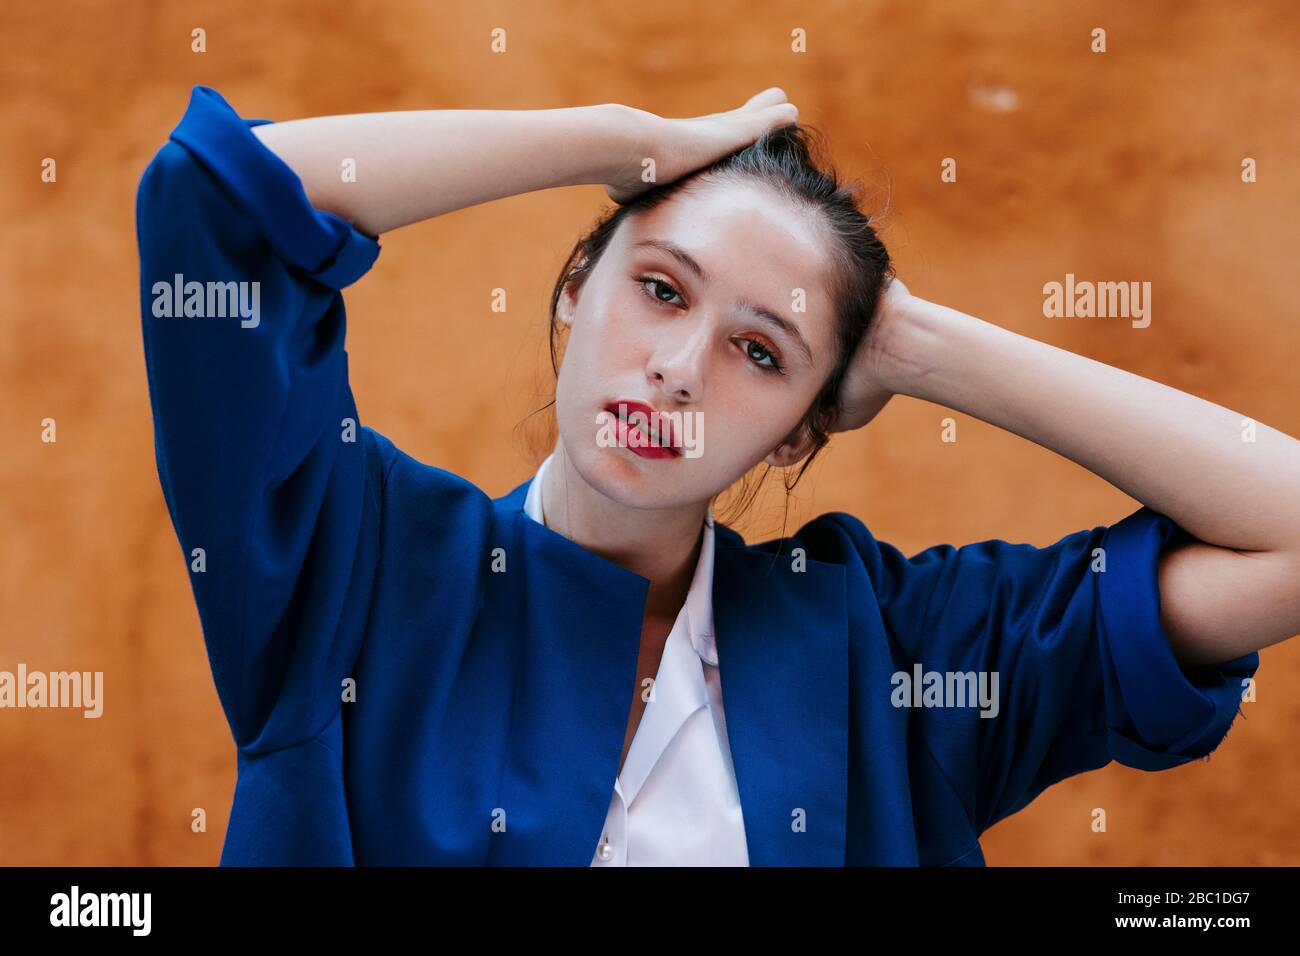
[[589, 669]]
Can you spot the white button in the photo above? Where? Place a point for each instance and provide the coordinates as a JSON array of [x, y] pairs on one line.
[[605, 851]]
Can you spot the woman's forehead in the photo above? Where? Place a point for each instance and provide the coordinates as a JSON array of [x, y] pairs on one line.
[[738, 232], [752, 247]]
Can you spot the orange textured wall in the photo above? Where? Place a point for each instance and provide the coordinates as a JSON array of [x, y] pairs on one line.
[[1122, 166]]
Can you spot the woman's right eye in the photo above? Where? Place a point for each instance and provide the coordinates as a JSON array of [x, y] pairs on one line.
[[660, 285]]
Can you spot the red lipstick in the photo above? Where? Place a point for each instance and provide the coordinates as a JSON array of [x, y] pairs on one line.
[[638, 435]]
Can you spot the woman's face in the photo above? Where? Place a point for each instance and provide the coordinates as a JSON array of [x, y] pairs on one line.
[[700, 344]]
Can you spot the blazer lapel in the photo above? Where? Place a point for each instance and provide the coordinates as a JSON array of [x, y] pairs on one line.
[[783, 661], [576, 619]]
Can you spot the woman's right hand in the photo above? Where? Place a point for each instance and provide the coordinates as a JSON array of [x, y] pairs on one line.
[[681, 146]]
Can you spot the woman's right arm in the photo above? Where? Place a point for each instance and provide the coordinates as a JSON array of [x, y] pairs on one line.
[[403, 167], [267, 475], [384, 170]]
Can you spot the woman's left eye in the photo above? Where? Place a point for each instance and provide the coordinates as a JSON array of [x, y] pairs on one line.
[[644, 281], [752, 344]]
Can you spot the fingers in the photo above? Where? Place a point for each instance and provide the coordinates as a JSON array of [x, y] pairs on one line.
[[779, 115], [770, 109], [764, 110], [768, 97], [756, 124]]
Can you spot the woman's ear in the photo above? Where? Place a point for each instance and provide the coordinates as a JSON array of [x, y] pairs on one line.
[[567, 306], [792, 450], [564, 307]]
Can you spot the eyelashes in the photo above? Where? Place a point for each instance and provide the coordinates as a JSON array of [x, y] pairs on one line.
[[776, 366], [644, 281]]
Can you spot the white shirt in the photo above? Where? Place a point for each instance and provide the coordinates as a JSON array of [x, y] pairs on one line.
[[675, 802]]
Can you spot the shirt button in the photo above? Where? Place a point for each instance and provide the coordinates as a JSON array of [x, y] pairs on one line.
[[605, 851]]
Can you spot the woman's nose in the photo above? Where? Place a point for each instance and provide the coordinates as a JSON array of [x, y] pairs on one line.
[[677, 367], [674, 386]]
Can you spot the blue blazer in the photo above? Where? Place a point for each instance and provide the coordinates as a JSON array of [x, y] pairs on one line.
[[415, 672]]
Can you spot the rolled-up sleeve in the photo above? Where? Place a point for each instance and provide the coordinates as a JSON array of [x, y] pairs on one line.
[[1158, 714], [313, 242], [1070, 635], [260, 454]]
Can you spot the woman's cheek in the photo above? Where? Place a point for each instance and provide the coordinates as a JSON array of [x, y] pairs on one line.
[[758, 427], [619, 339]]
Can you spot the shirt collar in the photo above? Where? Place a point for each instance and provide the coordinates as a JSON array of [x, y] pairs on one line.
[[699, 599]]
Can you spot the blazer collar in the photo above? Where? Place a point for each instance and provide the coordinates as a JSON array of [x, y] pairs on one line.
[[781, 630]]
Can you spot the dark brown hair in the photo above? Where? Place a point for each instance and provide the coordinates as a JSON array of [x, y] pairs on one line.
[[788, 159]]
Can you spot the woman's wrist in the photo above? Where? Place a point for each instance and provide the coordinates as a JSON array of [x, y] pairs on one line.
[[903, 346], [622, 139], [926, 349], [604, 141]]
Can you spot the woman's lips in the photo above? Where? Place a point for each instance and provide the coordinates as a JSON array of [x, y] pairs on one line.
[[638, 437]]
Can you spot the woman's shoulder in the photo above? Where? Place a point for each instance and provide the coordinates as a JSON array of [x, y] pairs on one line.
[[424, 498], [834, 537], [404, 474]]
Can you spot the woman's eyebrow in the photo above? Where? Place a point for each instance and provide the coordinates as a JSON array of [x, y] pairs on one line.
[[678, 253], [785, 325], [790, 329]]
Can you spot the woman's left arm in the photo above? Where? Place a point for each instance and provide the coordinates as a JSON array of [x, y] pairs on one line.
[[1232, 483]]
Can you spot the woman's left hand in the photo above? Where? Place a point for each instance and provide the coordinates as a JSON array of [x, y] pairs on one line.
[[872, 378]]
